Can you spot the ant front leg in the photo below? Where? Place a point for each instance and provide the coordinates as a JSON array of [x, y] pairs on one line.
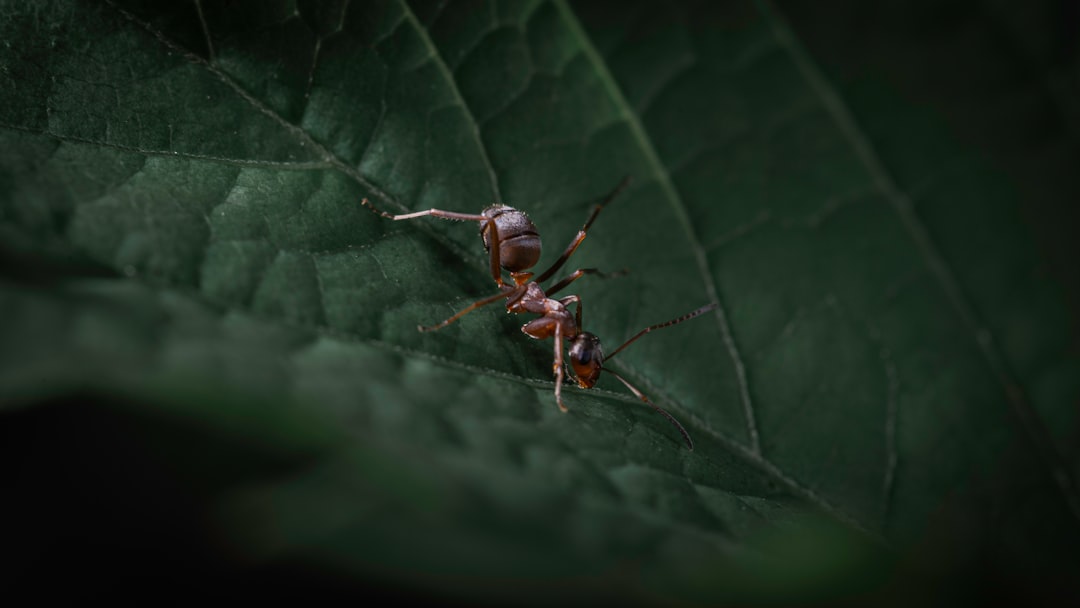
[[496, 265], [559, 368], [542, 328]]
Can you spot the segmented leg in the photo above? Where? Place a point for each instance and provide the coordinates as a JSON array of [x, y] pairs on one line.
[[559, 368], [567, 301], [581, 233], [471, 307], [496, 264], [567, 280]]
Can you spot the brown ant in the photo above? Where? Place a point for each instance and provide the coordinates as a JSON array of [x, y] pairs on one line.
[[513, 243]]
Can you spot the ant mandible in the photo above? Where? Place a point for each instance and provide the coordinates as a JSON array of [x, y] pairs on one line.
[[513, 244]]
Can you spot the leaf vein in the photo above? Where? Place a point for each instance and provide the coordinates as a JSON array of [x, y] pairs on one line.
[[330, 159], [845, 121], [240, 162], [440, 64], [259, 106], [753, 457], [673, 197], [206, 30]]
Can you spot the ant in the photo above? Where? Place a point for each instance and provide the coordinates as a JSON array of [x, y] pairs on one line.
[[513, 244]]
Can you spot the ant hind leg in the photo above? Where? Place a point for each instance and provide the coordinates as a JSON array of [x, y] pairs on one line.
[[496, 264], [570, 249]]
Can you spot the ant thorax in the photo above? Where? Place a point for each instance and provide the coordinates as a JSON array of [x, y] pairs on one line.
[[533, 300]]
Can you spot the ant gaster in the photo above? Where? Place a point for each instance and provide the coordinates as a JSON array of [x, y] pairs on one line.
[[513, 244]]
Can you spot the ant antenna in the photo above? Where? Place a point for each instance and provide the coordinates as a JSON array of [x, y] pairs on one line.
[[639, 394], [660, 410], [686, 317]]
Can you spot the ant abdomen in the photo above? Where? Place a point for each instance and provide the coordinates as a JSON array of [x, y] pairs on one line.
[[519, 241]]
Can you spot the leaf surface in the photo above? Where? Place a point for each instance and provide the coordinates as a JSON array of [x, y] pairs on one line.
[[181, 188]]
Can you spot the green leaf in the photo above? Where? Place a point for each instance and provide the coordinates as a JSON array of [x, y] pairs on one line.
[[886, 388]]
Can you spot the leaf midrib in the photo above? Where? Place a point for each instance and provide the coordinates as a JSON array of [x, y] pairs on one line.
[[752, 453], [935, 262], [679, 208]]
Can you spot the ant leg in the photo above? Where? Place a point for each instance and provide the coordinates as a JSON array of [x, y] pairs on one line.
[[447, 215], [558, 367], [662, 411], [677, 320], [493, 250], [566, 281], [566, 254], [470, 308], [581, 233], [567, 301], [496, 271]]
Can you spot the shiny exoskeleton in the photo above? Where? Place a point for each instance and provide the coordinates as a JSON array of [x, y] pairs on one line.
[[518, 241], [513, 244]]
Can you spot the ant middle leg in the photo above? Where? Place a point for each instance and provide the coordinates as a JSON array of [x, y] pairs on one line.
[[581, 233]]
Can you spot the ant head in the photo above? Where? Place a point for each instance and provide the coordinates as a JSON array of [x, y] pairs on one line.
[[519, 242], [587, 358]]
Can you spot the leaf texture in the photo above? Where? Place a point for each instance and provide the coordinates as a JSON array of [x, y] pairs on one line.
[[886, 375]]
